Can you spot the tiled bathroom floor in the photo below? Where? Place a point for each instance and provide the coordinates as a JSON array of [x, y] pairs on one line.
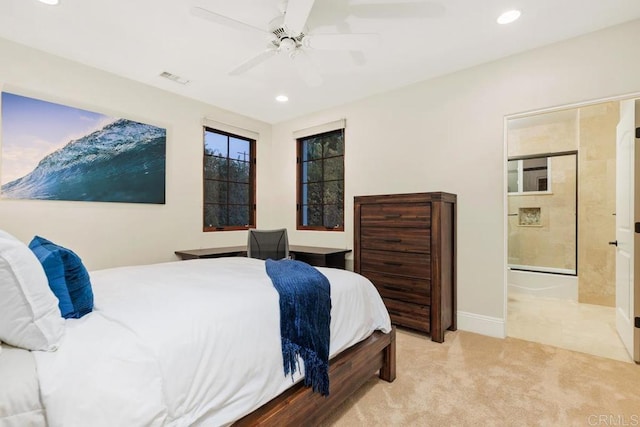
[[566, 324]]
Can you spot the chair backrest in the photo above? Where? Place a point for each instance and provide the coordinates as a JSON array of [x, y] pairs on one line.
[[263, 244]]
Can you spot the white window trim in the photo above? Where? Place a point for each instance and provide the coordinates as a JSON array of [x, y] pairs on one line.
[[317, 130], [225, 127]]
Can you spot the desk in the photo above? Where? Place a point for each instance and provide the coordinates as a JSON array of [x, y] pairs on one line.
[[320, 257]]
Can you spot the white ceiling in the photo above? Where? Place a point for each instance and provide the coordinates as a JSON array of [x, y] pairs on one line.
[[139, 39]]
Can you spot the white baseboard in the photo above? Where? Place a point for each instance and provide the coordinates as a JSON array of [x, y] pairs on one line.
[[483, 325]]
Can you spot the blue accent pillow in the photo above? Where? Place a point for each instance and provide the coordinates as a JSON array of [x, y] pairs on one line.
[[68, 277]]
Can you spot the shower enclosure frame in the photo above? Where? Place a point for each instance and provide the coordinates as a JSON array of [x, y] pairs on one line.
[[550, 155]]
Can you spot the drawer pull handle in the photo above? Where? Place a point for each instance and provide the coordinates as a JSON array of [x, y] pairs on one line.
[[394, 263], [390, 216], [393, 240]]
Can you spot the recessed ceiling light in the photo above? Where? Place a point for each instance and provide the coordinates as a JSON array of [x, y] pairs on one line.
[[282, 98], [508, 17], [50, 2]]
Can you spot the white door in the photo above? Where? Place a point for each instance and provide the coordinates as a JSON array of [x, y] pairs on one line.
[[625, 177]]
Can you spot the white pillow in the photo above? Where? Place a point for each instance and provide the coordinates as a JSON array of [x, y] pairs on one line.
[[29, 313]]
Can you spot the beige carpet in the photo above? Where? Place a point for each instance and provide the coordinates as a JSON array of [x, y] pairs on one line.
[[474, 380]]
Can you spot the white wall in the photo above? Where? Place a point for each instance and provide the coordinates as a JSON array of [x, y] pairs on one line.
[[113, 234], [448, 134]]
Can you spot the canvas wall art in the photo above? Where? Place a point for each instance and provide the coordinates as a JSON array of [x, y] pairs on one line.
[[56, 152]]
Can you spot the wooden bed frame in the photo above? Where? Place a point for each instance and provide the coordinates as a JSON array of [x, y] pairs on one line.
[[348, 371]]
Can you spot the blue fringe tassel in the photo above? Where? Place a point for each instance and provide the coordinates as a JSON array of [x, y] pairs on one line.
[[305, 320]]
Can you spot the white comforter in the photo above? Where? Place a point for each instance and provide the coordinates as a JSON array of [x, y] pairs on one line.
[[187, 342]]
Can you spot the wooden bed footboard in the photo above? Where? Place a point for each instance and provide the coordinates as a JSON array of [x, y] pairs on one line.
[[348, 371]]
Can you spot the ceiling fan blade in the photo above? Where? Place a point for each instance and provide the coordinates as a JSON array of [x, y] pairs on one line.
[[225, 20], [342, 41], [371, 9], [356, 55], [252, 62], [295, 17], [306, 69]]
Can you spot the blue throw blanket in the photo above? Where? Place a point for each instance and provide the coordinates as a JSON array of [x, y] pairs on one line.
[[305, 319]]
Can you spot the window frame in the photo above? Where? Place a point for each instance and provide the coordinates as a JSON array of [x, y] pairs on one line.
[[299, 181], [252, 181]]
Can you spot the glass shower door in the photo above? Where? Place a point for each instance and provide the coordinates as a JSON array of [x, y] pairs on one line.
[[542, 208]]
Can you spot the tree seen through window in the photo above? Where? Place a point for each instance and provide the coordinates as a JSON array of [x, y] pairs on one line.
[[321, 181], [229, 183]]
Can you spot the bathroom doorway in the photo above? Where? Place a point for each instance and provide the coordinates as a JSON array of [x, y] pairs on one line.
[[561, 216]]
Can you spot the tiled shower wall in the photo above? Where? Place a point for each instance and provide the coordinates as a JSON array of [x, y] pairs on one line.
[[597, 204]]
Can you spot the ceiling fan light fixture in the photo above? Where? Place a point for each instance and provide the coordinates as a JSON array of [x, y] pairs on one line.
[[282, 98], [50, 2], [287, 45], [509, 17]]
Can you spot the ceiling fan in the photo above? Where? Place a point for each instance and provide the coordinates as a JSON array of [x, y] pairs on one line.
[[288, 34]]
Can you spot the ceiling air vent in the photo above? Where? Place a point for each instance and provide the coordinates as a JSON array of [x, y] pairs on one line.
[[174, 78]]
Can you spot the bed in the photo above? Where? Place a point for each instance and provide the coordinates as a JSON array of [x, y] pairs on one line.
[[194, 343]]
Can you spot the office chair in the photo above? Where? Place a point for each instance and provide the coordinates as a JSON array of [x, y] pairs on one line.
[[263, 244]]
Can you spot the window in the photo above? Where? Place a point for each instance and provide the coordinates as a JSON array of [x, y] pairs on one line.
[[321, 181], [229, 181], [529, 175]]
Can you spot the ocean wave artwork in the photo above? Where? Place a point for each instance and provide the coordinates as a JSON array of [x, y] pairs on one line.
[[56, 152]]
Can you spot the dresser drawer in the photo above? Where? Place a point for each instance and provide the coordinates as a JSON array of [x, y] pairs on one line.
[[416, 215], [402, 288], [401, 239], [398, 263], [414, 316]]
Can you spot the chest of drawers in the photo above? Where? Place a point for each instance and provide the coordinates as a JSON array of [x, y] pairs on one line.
[[405, 244]]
